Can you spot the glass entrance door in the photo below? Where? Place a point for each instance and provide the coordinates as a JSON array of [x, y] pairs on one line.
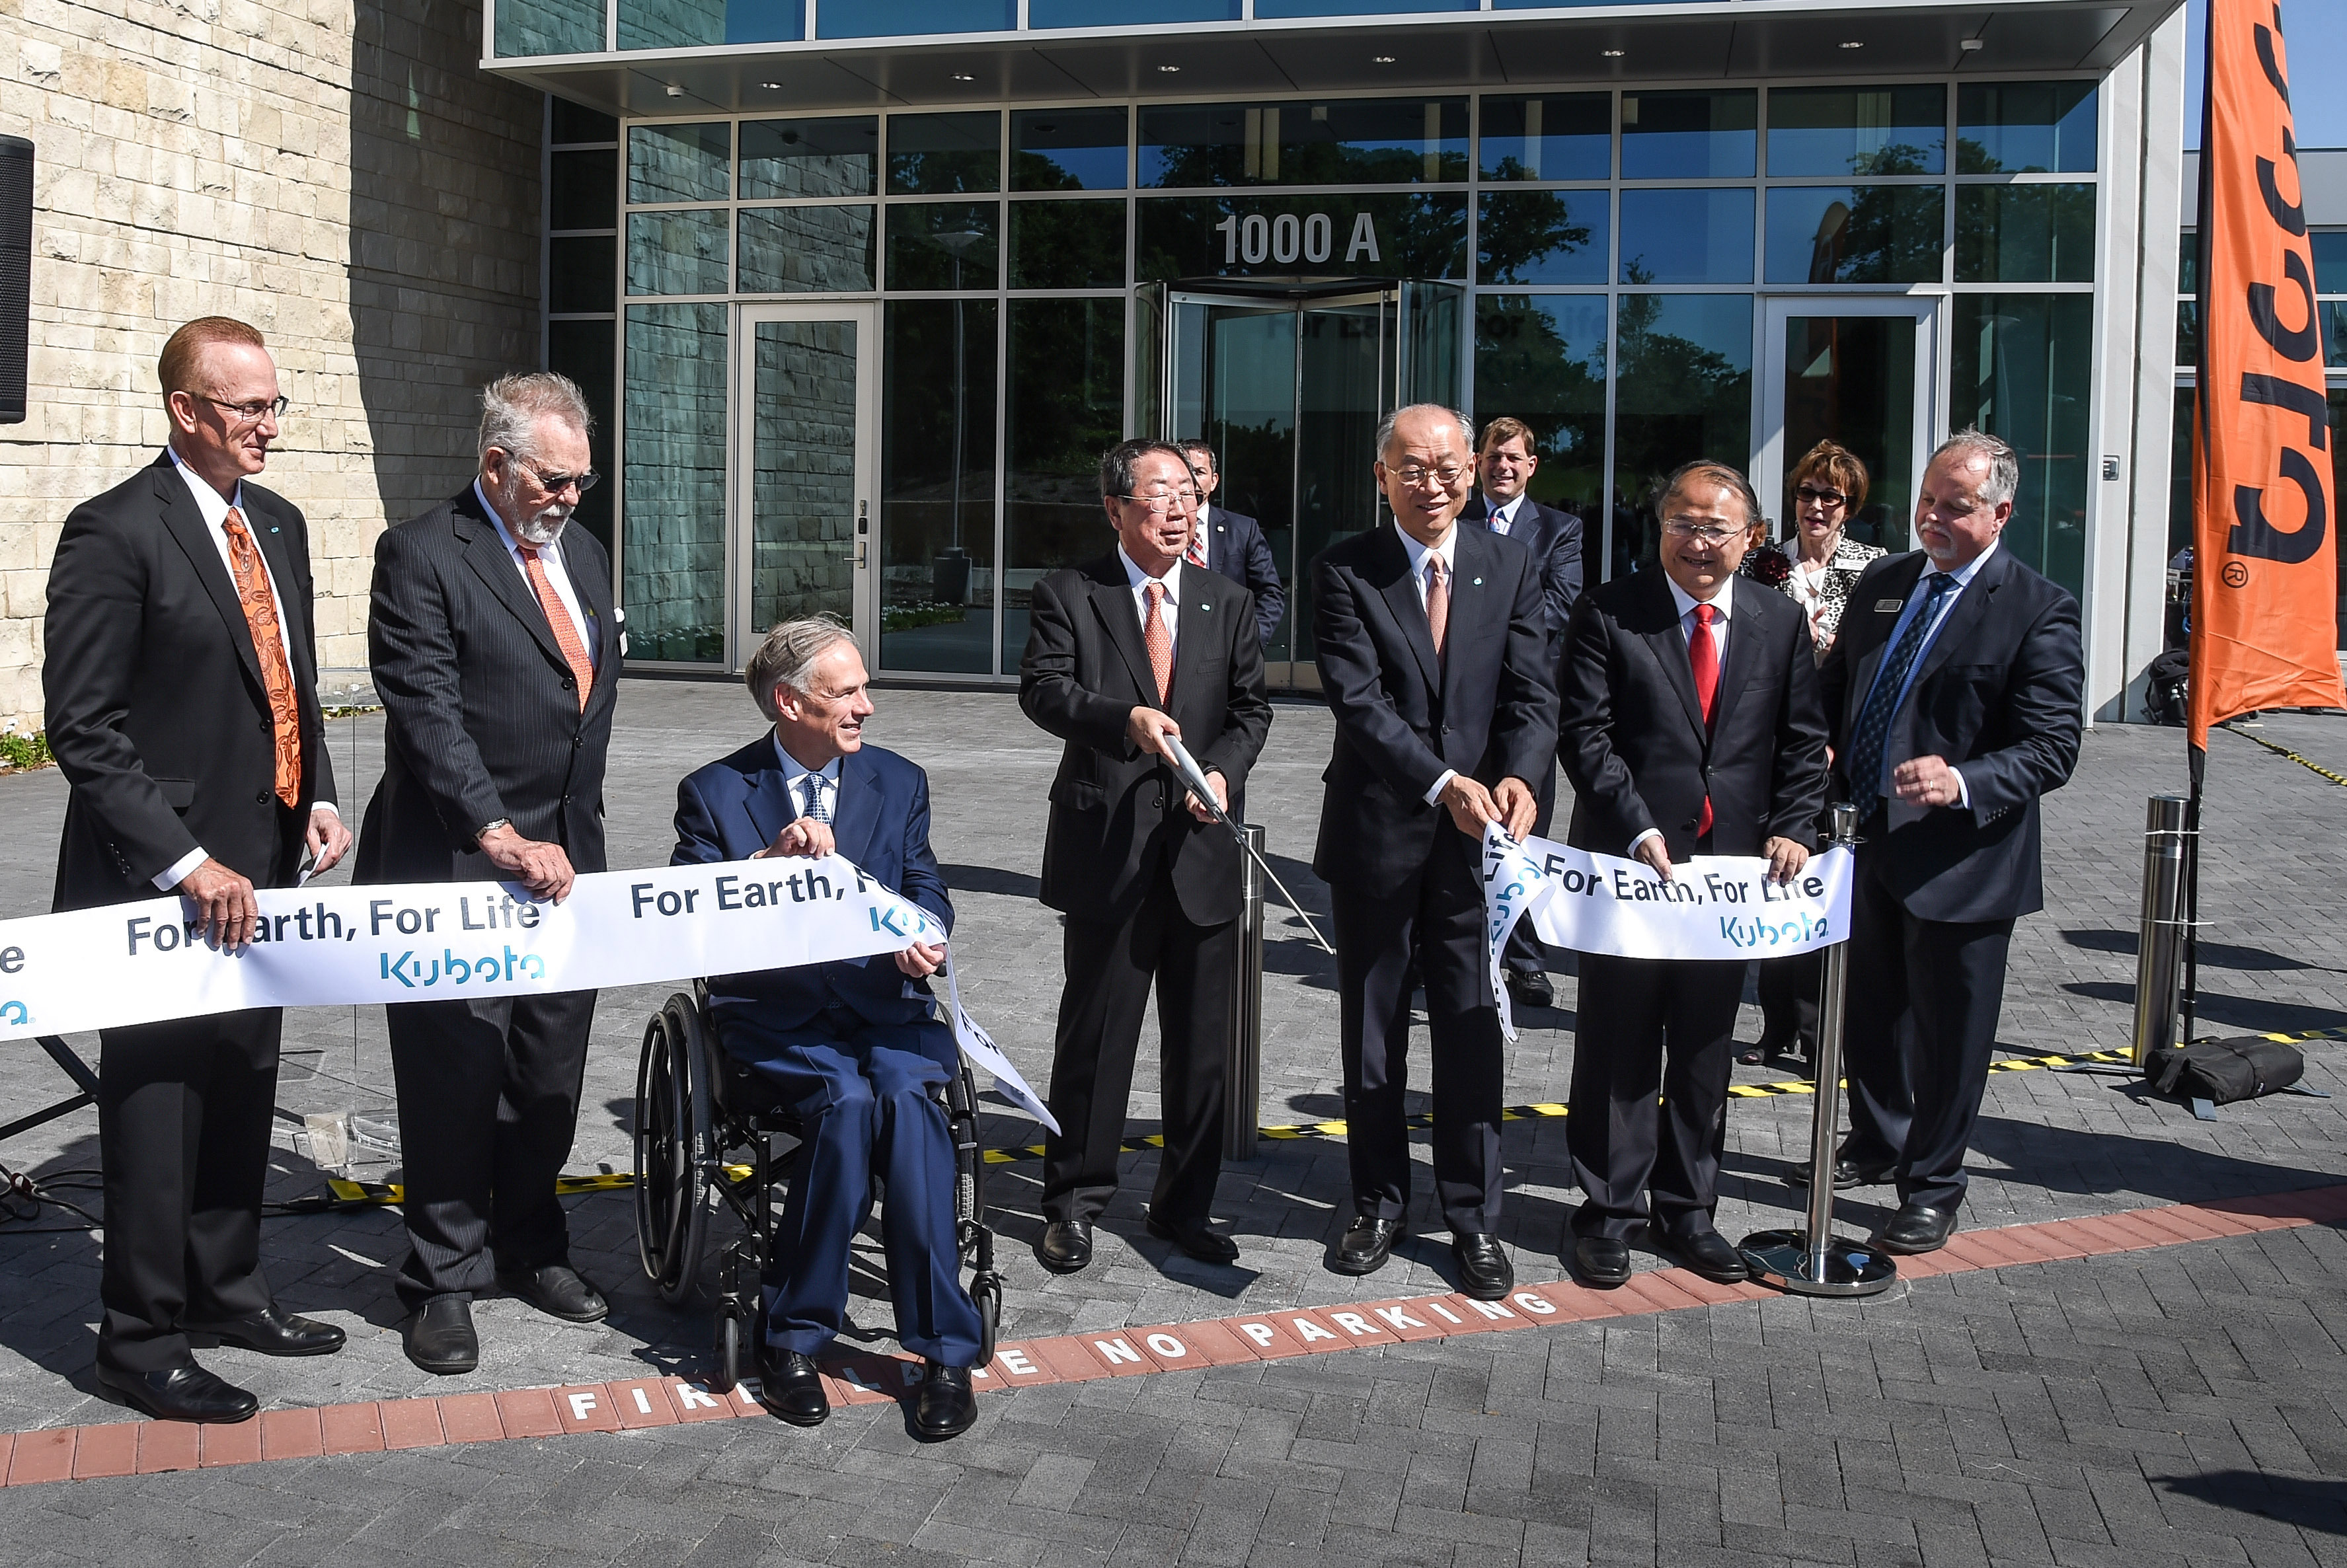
[[808, 396], [1857, 372]]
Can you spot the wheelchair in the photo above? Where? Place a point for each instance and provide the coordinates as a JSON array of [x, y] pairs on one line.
[[711, 1134]]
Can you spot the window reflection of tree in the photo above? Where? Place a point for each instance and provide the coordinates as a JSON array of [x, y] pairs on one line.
[[1526, 366], [1537, 225], [1677, 399]]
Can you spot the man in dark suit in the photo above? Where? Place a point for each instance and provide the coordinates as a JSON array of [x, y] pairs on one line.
[[1232, 543], [1120, 654], [1955, 688], [856, 1044], [1504, 467], [182, 691], [497, 656], [1691, 724], [1434, 651]]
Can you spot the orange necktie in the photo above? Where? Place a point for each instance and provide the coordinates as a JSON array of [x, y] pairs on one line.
[[558, 617], [1159, 639], [269, 646], [1437, 601]]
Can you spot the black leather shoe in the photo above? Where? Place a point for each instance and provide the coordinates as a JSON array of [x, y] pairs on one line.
[[1918, 1228], [792, 1388], [1367, 1243], [1848, 1174], [1601, 1261], [1484, 1271], [557, 1290], [1530, 988], [1708, 1255], [947, 1405], [1199, 1238], [186, 1393], [440, 1336], [1066, 1247], [273, 1332]]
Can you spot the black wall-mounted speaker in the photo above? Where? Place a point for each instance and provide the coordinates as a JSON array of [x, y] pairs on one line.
[[16, 272]]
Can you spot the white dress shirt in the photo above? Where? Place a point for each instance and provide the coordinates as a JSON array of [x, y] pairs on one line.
[[1141, 580], [550, 556], [1723, 604], [1449, 550], [800, 779], [1501, 515]]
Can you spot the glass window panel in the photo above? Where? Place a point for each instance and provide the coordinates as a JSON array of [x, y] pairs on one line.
[[1543, 236], [1278, 8], [782, 157], [790, 250], [2025, 234], [2188, 263], [1858, 130], [2179, 501], [580, 272], [1067, 244], [672, 565], [1066, 406], [1541, 358], [1690, 136], [2329, 261], [802, 466], [583, 189], [2025, 127], [679, 162], [549, 27], [1127, 13], [1384, 142], [1684, 390], [1394, 235], [1067, 149], [2021, 370], [1855, 234], [583, 351], [944, 245], [684, 24], [678, 252], [1700, 236], [2338, 487], [2334, 313], [900, 18], [937, 486], [2188, 332], [576, 122], [1566, 136], [1850, 380], [936, 154]]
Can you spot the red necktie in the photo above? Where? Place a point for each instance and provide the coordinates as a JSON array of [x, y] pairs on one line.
[[1703, 653], [558, 622], [1159, 639], [269, 647], [1197, 556]]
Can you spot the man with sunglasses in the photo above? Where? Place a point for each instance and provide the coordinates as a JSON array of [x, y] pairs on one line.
[[496, 652]]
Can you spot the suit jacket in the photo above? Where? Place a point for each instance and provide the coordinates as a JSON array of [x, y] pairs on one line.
[[1117, 811], [1237, 548], [1633, 738], [2000, 694], [157, 712], [1486, 709], [1554, 537], [482, 716], [733, 808]]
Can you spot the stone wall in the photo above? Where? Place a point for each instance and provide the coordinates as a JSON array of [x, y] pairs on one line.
[[338, 172]]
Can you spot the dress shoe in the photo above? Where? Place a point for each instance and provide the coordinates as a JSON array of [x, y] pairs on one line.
[[440, 1336], [557, 1290], [1484, 1271], [1367, 1243], [186, 1393], [1199, 1238], [1530, 988], [790, 1386], [1917, 1227], [1708, 1255], [947, 1405], [1603, 1261], [1066, 1247], [1848, 1174], [273, 1332]]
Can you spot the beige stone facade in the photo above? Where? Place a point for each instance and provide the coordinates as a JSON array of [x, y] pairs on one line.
[[338, 172]]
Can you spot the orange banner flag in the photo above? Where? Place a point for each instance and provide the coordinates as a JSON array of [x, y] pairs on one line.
[[2264, 577]]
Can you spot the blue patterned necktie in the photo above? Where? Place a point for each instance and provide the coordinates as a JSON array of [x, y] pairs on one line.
[[818, 798], [1889, 682]]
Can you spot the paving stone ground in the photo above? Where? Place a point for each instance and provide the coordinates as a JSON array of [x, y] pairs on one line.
[[2183, 1404]]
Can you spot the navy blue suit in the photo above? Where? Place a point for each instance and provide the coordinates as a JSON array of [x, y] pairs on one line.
[[856, 1046], [1237, 548]]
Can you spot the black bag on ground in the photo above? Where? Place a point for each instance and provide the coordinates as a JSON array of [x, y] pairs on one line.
[[2223, 1071]]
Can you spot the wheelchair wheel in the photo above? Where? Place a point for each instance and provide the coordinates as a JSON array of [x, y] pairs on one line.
[[986, 1295], [674, 1148], [728, 1371]]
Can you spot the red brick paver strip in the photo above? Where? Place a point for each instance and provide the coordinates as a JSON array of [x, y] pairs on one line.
[[351, 1429], [1017, 1367], [470, 1418], [1266, 1340], [106, 1451], [291, 1434], [1171, 1348], [162, 1446], [1067, 1356], [1220, 1342], [642, 1403], [527, 1413], [411, 1423], [43, 1456], [587, 1408], [1405, 1319], [234, 1442]]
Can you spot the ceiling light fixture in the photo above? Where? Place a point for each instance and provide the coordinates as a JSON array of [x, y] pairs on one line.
[[1968, 44], [1169, 70], [674, 91], [1613, 54], [1381, 59], [1854, 44], [772, 86], [963, 76]]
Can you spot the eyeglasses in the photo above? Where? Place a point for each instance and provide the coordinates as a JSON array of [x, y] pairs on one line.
[[555, 483], [1162, 502], [251, 412], [1809, 493], [1708, 533], [1412, 477]]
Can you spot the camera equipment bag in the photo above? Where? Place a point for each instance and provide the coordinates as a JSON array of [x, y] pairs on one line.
[[2223, 1071]]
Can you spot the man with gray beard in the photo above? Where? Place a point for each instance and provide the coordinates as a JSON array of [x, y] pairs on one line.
[[495, 653]]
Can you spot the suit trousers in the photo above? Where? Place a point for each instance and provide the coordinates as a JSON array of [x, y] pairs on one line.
[[1526, 954], [864, 1094], [488, 1103], [1790, 988], [184, 1112], [1649, 1024], [1436, 917], [1924, 997], [1110, 966]]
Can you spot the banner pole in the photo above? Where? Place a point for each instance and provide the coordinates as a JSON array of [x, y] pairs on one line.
[[2198, 759]]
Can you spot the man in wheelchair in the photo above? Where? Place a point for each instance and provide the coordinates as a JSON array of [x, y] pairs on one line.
[[856, 1048]]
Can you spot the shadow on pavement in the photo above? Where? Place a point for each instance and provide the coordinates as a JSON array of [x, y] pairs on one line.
[[2310, 1504], [2241, 1012]]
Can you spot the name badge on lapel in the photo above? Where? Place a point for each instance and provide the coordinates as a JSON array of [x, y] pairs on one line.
[[1887, 606]]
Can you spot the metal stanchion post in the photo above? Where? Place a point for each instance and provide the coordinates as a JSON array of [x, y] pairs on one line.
[[1814, 1261], [2160, 948], [1243, 1053]]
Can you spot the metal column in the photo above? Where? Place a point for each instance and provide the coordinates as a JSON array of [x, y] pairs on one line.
[[2160, 948], [1243, 1048]]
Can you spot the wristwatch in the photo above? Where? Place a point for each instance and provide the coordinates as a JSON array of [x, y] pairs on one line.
[[489, 827]]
